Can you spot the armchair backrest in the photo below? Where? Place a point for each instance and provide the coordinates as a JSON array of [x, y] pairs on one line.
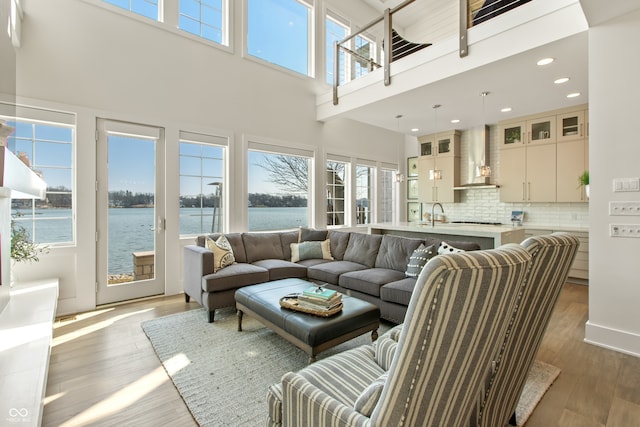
[[551, 259], [456, 320]]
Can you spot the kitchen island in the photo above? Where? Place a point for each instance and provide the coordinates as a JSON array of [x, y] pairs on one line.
[[487, 236]]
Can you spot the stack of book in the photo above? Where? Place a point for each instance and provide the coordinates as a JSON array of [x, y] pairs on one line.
[[320, 299]]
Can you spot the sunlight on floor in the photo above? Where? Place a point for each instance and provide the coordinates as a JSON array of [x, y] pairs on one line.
[[53, 398], [128, 396], [176, 363], [92, 328], [64, 321]]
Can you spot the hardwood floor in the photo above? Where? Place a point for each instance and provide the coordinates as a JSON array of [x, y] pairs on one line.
[[104, 372]]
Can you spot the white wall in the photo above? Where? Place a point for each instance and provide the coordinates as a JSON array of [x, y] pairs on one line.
[[614, 270], [81, 58]]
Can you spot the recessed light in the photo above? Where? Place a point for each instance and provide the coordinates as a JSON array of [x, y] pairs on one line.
[[574, 95], [455, 121], [415, 130], [545, 61], [506, 109], [561, 80]]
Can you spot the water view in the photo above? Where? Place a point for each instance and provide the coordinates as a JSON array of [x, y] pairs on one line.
[[132, 230]]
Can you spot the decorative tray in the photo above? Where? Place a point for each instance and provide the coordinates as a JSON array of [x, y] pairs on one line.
[[292, 304]]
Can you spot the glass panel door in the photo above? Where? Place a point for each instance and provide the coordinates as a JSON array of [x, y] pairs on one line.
[[130, 223]]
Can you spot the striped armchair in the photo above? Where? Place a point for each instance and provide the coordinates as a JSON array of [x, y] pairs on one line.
[[456, 321], [551, 258]]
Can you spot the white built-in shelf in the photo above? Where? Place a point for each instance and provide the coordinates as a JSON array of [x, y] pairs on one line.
[[26, 330]]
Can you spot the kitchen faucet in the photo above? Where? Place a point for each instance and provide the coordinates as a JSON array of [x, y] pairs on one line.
[[432, 213]]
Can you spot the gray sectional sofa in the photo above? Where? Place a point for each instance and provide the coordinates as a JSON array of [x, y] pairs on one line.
[[367, 266]]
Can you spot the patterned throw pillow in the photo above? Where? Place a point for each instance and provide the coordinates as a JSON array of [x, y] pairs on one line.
[[446, 248], [311, 250], [418, 259], [222, 252], [368, 399]]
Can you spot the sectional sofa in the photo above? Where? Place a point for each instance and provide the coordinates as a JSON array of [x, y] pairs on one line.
[[377, 268]]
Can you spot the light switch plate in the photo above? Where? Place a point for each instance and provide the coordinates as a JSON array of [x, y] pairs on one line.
[[626, 184], [624, 208]]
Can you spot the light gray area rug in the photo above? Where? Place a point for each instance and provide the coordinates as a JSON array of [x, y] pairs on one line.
[[223, 375]]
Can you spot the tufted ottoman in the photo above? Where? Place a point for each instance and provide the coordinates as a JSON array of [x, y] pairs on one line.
[[310, 333]]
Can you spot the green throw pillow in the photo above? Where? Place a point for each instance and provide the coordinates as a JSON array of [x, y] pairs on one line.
[[310, 250]]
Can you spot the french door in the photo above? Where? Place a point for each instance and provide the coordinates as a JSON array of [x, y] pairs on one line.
[[130, 240]]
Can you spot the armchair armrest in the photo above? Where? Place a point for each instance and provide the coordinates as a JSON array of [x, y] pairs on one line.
[[197, 262], [303, 404]]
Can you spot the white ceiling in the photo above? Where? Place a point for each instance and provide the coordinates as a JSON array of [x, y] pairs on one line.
[[515, 82]]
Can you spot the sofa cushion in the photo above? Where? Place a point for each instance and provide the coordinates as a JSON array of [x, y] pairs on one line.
[[370, 280], [234, 276], [286, 239], [313, 261], [363, 248], [282, 269], [339, 241], [235, 239], [310, 250], [262, 246], [418, 259], [398, 292], [222, 252], [311, 235], [329, 272], [395, 251]]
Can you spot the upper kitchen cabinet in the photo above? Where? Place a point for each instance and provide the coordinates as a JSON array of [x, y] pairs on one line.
[[436, 178], [572, 125], [534, 130], [441, 144]]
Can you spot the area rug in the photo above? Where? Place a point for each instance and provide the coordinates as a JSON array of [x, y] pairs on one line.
[[223, 375]]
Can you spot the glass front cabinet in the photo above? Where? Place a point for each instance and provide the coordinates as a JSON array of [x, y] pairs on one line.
[[441, 144], [534, 131]]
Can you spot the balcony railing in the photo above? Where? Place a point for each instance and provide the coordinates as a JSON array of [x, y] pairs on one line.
[[359, 49]]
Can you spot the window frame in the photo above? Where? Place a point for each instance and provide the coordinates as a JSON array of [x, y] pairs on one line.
[[346, 220], [224, 24], [344, 74], [370, 210]]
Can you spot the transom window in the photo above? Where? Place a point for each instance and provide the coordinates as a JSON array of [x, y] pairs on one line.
[[202, 188], [204, 18], [148, 8], [279, 31]]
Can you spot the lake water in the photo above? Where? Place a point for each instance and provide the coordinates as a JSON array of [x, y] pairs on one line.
[[132, 230]]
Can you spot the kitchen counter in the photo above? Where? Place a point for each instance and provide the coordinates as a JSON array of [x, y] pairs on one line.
[[487, 236]]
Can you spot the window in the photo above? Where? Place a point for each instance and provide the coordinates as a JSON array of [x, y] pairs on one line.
[[387, 194], [147, 8], [280, 32], [364, 190], [278, 186], [204, 18], [336, 29], [202, 177], [336, 195], [49, 150], [365, 48]]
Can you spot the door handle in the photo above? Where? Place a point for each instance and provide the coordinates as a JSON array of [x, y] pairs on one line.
[[161, 224]]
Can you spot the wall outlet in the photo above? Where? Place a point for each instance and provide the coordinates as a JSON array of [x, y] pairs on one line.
[[624, 208], [624, 230]]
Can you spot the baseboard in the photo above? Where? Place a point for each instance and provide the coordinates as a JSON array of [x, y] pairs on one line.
[[612, 339]]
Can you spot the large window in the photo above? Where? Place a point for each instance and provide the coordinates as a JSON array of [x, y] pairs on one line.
[[336, 29], [387, 195], [278, 190], [202, 189], [336, 192], [204, 18], [148, 8], [280, 32], [48, 149], [366, 50], [364, 190]]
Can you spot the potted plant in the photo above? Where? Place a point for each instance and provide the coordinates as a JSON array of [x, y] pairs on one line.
[[584, 182], [23, 249]]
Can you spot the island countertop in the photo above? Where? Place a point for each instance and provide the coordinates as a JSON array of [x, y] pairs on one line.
[[488, 236]]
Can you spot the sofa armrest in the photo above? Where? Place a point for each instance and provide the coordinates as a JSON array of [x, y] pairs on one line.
[[303, 404], [197, 262]]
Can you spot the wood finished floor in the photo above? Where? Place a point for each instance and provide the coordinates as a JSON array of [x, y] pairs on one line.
[[104, 372]]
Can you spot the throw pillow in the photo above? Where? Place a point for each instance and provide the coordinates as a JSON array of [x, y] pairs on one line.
[[446, 248], [311, 234], [418, 259], [368, 399], [311, 250], [222, 252]]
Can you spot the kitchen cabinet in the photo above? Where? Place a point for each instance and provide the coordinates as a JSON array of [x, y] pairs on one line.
[[572, 126], [441, 144], [528, 174], [572, 161], [436, 178], [535, 130], [579, 271]]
